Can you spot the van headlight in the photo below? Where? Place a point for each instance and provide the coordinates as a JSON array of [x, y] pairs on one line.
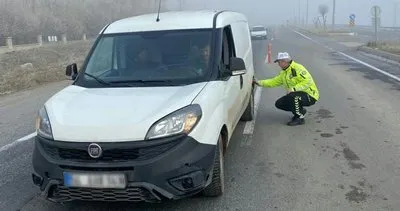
[[181, 121], [43, 127]]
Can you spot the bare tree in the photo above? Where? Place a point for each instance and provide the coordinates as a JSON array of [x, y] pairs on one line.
[[323, 10], [25, 19]]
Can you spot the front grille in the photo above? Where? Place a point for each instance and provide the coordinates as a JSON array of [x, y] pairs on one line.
[[111, 152], [130, 194]]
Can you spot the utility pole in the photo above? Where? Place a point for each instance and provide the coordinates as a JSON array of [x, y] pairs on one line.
[[307, 15], [180, 4], [376, 24], [299, 14], [376, 15], [396, 5], [333, 15]]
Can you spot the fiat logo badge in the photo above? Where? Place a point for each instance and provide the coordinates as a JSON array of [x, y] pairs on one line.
[[95, 150]]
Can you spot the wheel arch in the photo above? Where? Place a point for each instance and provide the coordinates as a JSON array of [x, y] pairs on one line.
[[225, 137]]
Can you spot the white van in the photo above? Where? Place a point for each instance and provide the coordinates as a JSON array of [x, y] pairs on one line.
[[151, 111]]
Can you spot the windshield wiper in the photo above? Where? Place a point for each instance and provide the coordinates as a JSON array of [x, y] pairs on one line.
[[97, 79], [142, 81]]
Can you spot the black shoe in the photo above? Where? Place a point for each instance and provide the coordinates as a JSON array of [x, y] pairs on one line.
[[296, 121]]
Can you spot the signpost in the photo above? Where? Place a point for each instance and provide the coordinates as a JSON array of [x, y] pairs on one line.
[[376, 19], [352, 20]]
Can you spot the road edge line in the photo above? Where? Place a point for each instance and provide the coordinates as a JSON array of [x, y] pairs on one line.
[[370, 66], [25, 138]]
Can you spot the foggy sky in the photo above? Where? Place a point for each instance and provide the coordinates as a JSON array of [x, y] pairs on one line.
[[278, 11]]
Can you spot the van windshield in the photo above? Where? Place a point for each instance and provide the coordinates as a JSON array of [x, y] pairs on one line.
[[173, 57]]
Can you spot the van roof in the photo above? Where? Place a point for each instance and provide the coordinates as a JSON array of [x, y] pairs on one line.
[[189, 19]]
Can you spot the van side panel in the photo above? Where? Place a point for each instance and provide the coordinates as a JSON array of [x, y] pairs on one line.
[[243, 45], [213, 103], [215, 98]]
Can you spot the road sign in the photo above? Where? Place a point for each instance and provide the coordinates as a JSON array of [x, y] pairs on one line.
[[376, 11], [352, 20]]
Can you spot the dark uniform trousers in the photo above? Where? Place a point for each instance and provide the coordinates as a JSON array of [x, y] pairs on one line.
[[294, 102]]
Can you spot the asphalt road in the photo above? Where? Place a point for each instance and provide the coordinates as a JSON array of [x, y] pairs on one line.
[[344, 158]]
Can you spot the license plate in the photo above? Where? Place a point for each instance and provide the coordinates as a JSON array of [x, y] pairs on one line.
[[91, 180]]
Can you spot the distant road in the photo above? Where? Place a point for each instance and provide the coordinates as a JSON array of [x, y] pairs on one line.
[[383, 34], [367, 33]]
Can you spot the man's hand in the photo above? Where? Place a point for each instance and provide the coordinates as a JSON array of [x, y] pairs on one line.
[[256, 82]]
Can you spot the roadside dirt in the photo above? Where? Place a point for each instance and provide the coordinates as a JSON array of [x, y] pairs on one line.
[[26, 69]]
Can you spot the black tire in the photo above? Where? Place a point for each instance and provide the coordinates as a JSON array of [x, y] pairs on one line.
[[217, 186], [248, 114]]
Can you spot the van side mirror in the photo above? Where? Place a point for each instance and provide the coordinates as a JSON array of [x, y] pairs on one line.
[[72, 71], [237, 66]]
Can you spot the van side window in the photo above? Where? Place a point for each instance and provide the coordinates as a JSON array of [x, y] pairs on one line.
[[228, 48]]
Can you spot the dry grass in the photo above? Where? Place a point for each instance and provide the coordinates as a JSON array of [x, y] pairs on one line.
[[48, 62], [388, 46]]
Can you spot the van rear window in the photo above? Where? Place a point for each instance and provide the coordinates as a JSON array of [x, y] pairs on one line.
[[258, 29]]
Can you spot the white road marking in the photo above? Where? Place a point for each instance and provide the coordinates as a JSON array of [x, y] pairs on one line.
[[25, 138], [308, 38], [370, 66], [356, 60], [249, 127]]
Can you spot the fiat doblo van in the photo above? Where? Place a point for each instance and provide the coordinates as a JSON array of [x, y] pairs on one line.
[[150, 113]]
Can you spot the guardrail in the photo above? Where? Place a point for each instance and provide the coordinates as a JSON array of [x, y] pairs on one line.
[[10, 47], [371, 27]]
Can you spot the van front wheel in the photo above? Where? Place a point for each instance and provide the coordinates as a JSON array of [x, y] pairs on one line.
[[216, 187], [248, 114]]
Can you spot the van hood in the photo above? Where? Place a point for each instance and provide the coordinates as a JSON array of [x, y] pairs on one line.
[[80, 114]]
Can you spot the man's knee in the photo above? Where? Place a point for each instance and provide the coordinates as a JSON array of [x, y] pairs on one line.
[[283, 103], [280, 103]]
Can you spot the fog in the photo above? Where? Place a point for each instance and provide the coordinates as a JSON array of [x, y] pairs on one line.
[[277, 12], [24, 20]]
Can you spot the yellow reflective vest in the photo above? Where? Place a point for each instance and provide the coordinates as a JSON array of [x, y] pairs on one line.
[[295, 78]]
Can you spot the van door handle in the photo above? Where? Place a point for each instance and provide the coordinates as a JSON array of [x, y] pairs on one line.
[[241, 82]]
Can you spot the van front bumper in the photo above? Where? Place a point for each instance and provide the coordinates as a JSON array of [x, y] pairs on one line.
[[169, 168]]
